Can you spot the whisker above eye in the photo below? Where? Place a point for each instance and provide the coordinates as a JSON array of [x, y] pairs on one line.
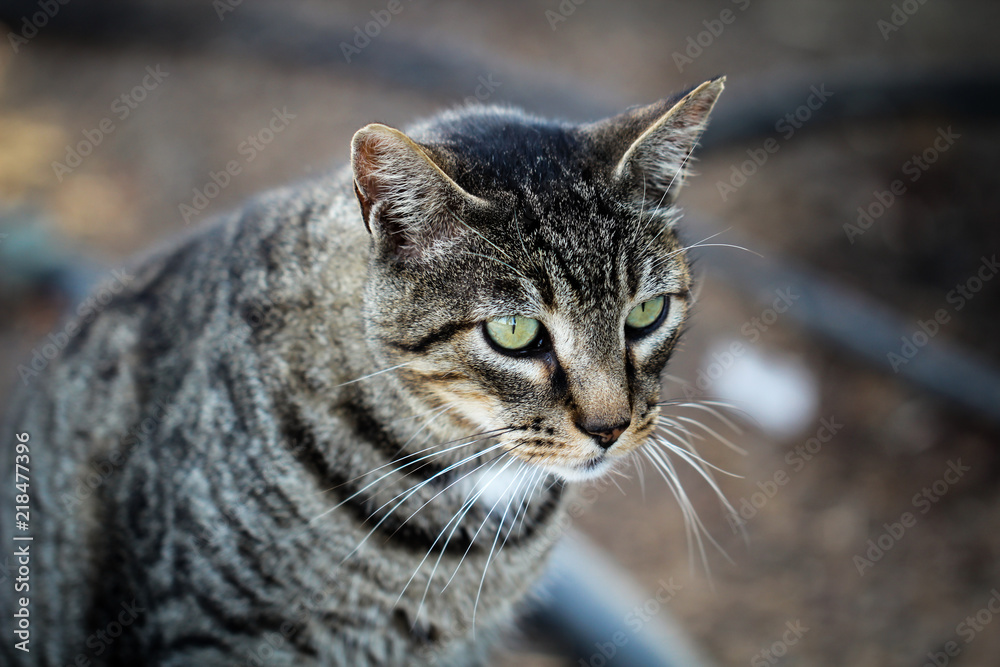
[[716, 245], [679, 251], [493, 245]]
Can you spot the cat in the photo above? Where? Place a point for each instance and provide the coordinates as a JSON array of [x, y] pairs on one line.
[[341, 425]]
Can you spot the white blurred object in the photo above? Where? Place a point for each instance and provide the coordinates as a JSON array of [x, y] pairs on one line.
[[777, 390]]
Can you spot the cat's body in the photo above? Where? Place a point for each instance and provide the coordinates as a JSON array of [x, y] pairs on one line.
[[202, 452]]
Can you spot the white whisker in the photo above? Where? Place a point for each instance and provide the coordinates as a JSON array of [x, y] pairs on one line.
[[422, 414], [712, 432], [398, 468], [641, 473], [709, 407], [407, 494], [711, 482], [693, 453], [467, 504], [473, 540], [496, 538], [665, 468], [371, 375], [529, 492]]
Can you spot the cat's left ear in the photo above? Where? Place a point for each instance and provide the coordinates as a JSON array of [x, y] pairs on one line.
[[651, 146], [409, 203]]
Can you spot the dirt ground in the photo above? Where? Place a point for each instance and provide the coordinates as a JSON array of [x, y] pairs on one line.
[[829, 547]]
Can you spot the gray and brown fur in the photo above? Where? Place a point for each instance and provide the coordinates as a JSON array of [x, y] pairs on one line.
[[197, 448]]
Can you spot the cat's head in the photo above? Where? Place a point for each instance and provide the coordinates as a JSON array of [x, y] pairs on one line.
[[527, 272]]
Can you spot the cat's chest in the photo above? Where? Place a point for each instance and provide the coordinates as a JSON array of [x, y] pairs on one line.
[[434, 580]]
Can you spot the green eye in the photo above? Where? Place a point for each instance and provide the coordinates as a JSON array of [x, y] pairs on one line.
[[513, 332], [646, 313]]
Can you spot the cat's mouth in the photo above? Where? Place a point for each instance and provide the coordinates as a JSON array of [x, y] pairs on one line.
[[591, 468]]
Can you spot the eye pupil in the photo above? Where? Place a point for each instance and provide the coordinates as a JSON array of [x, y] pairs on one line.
[[514, 333], [641, 320]]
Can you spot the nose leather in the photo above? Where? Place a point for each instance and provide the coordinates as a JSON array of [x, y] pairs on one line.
[[605, 434]]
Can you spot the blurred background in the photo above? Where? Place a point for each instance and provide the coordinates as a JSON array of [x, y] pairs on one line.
[[855, 153]]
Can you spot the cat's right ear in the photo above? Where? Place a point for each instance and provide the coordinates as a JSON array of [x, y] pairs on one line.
[[650, 147], [409, 204]]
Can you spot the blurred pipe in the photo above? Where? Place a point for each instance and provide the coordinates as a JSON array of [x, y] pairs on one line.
[[588, 599], [856, 322], [282, 37], [588, 595], [863, 90]]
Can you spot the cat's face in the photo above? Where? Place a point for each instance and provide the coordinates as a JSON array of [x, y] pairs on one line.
[[527, 273]]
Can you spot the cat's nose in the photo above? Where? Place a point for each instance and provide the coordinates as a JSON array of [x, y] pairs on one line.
[[605, 434]]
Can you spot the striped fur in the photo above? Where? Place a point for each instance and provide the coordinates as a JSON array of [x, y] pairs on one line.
[[219, 459]]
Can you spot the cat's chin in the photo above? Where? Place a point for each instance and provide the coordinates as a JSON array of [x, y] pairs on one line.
[[581, 472]]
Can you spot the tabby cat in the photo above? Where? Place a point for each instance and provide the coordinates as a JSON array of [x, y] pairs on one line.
[[318, 433]]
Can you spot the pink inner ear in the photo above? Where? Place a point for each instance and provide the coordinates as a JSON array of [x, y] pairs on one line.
[[369, 154], [695, 112], [409, 203], [400, 194], [366, 205]]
